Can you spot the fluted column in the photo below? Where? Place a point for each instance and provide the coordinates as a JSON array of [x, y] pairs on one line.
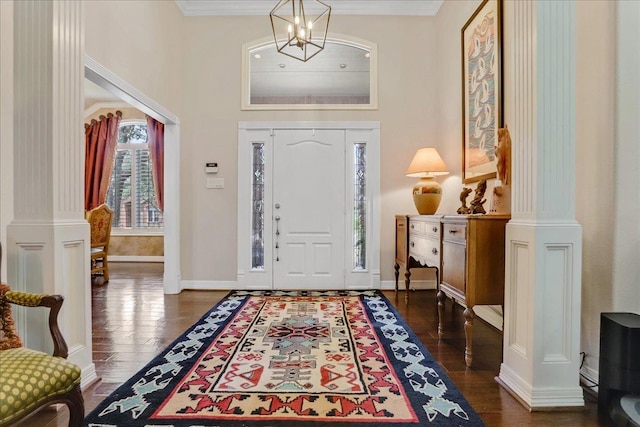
[[48, 239], [541, 353]]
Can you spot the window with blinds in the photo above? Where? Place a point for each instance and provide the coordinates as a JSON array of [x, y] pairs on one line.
[[131, 193]]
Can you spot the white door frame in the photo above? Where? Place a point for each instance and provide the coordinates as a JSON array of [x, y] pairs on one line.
[[261, 132], [109, 81]]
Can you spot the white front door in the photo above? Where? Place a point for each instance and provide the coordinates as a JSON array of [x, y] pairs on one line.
[[309, 209], [322, 180]]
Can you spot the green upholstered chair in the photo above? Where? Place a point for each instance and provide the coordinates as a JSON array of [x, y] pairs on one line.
[[31, 380]]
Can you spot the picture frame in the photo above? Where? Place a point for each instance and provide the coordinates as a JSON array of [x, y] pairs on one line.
[[482, 97]]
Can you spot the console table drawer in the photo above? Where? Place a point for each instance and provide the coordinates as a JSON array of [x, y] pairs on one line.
[[432, 230], [425, 251], [416, 227], [454, 232], [425, 225]]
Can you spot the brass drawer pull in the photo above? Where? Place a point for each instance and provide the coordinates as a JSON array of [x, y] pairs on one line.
[[435, 229], [453, 231], [434, 251]]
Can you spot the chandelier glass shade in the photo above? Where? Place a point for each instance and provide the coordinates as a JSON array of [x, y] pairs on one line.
[[300, 28]]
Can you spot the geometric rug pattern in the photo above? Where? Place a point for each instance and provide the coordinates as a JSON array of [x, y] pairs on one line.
[[285, 358]]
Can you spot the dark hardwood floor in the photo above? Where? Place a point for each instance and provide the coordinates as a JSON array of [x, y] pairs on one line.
[[133, 321]]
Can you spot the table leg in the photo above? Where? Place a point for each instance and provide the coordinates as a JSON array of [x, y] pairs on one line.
[[407, 282], [397, 268], [441, 297], [469, 315]]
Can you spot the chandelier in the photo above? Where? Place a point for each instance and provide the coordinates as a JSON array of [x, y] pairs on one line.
[[300, 30]]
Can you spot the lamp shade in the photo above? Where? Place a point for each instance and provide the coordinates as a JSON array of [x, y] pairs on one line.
[[426, 162]]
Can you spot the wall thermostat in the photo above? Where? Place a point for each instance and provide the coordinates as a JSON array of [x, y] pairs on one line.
[[211, 168]]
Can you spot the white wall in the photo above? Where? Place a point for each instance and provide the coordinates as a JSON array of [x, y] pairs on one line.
[[141, 42], [595, 165], [608, 152], [449, 22], [6, 126], [407, 92], [192, 66], [626, 268]]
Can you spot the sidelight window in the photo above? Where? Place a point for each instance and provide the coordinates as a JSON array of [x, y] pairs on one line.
[[257, 200], [360, 207]]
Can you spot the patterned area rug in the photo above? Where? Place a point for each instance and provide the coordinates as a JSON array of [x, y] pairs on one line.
[[268, 359]]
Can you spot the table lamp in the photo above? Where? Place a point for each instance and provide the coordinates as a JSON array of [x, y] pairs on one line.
[[427, 193]]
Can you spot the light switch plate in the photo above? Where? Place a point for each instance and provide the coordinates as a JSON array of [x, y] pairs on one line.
[[215, 183]]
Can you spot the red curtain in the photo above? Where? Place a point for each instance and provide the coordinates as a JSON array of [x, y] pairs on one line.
[[155, 138], [101, 139]]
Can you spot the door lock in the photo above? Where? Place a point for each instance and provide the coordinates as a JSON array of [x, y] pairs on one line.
[[277, 218]]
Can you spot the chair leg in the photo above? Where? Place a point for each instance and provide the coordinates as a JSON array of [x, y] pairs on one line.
[[105, 270], [75, 402]]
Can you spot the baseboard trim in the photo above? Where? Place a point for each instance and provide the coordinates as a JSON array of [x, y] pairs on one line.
[[135, 258], [414, 286], [591, 378], [209, 285], [490, 314], [221, 285], [539, 399], [88, 376]]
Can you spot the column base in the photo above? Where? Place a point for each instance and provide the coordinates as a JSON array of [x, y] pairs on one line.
[[53, 258], [549, 399], [541, 350]]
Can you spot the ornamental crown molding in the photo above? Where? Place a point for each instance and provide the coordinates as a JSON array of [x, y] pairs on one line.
[[342, 7]]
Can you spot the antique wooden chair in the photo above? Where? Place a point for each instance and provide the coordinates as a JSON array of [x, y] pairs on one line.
[[31, 380], [100, 222]]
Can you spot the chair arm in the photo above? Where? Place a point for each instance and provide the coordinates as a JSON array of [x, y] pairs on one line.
[[54, 302]]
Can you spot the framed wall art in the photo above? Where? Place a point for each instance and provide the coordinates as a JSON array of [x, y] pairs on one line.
[[481, 91]]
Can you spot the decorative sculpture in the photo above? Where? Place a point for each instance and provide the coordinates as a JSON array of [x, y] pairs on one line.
[[478, 201], [464, 209], [503, 154], [501, 197]]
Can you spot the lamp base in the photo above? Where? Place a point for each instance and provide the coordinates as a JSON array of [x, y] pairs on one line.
[[427, 194]]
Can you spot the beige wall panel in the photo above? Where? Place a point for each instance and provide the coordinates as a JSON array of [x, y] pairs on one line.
[[141, 42], [213, 52], [595, 151], [136, 246], [6, 127]]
